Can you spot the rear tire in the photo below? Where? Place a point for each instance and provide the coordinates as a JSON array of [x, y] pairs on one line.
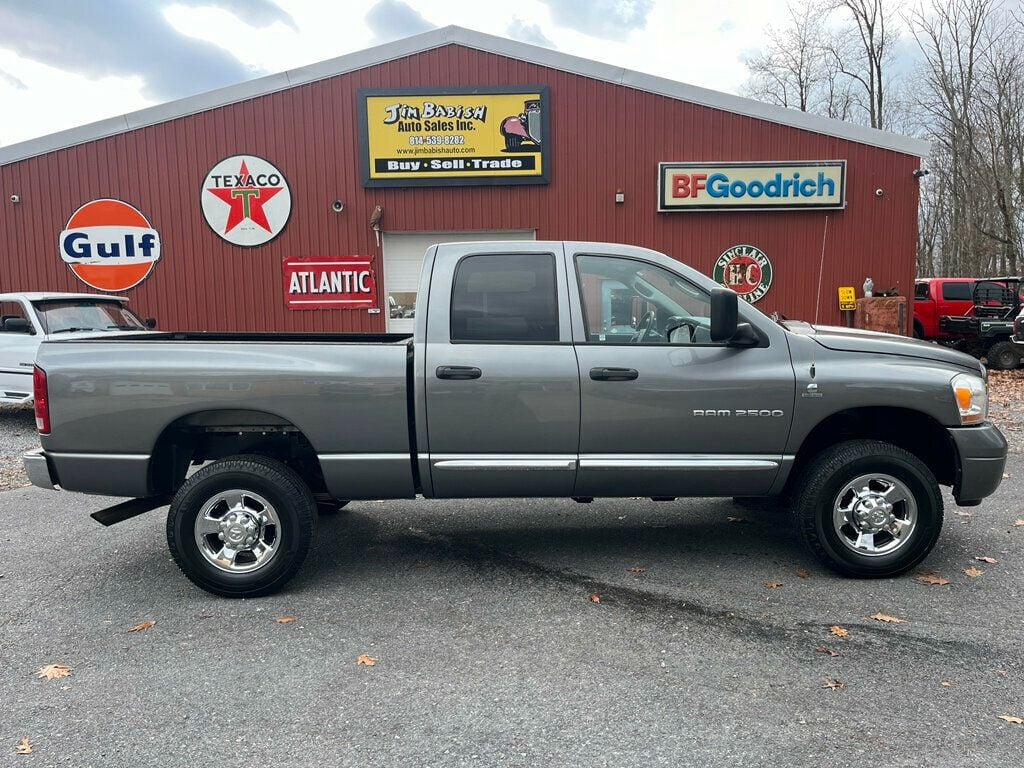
[[242, 526], [862, 477], [1003, 356]]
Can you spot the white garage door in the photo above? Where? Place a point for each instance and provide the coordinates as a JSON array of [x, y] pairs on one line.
[[403, 257]]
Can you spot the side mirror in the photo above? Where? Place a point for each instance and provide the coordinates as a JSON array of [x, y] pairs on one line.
[[724, 314], [18, 325], [150, 322]]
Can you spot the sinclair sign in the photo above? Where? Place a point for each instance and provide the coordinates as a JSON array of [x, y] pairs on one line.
[[751, 186]]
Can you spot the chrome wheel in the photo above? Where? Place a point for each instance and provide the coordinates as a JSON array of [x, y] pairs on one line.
[[238, 531], [874, 514]]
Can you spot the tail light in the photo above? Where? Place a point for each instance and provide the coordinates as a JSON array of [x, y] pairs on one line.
[[42, 400]]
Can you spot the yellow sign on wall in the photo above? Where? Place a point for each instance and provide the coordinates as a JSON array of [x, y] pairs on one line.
[[457, 137], [847, 298]]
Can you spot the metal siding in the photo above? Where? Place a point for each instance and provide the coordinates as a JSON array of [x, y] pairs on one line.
[[605, 137]]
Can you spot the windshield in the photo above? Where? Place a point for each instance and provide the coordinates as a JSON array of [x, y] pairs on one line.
[[85, 315]]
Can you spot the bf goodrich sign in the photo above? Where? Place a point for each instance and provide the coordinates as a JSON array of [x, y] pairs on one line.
[[751, 186]]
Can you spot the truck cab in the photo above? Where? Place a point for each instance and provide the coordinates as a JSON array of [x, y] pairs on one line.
[[936, 297]]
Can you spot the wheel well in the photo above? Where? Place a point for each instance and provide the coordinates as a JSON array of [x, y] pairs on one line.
[[210, 435], [911, 430]]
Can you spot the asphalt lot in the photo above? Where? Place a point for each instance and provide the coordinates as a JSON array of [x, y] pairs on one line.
[[491, 652]]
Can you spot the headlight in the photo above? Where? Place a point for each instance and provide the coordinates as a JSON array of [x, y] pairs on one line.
[[971, 398]]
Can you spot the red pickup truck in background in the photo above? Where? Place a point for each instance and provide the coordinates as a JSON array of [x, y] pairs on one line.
[[938, 296]]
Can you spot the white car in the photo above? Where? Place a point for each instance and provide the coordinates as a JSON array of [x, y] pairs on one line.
[[26, 318]]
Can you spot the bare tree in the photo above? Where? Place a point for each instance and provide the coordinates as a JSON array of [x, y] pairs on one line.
[[835, 58], [863, 52], [971, 94], [792, 68]]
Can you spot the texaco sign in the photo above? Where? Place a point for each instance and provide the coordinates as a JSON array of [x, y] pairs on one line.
[[246, 200], [746, 270]]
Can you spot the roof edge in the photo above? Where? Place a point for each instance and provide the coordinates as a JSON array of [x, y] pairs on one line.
[[450, 35]]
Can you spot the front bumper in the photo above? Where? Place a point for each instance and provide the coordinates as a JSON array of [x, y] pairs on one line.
[[37, 466], [981, 458]]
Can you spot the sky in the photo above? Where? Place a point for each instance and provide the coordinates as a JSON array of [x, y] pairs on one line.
[[65, 63]]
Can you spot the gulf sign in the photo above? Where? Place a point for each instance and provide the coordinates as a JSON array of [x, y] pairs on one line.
[[751, 186], [330, 282], [109, 245]]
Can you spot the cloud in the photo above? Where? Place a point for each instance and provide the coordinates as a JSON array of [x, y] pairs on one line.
[[8, 79], [609, 19], [528, 33], [130, 37], [393, 19]]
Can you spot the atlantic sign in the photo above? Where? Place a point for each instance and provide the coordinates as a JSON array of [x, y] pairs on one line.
[[751, 186], [330, 282]]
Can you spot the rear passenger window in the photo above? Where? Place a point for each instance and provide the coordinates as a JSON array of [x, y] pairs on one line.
[[505, 297], [956, 291]]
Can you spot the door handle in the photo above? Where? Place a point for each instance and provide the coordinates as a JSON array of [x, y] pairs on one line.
[[458, 372], [614, 374]]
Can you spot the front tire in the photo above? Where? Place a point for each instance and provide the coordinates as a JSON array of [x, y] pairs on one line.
[[868, 509], [242, 526]]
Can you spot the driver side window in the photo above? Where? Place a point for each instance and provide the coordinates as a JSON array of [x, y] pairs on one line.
[[626, 301]]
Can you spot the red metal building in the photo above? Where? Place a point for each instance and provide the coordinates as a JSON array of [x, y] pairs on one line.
[[588, 140]]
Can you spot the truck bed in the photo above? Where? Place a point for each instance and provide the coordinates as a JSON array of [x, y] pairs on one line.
[[120, 394]]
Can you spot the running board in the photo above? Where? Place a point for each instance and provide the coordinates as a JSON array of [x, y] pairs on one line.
[[128, 509]]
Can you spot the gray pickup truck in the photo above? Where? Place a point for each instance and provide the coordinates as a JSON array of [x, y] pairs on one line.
[[540, 369]]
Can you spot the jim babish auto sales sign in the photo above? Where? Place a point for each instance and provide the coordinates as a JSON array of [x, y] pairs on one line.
[[454, 137]]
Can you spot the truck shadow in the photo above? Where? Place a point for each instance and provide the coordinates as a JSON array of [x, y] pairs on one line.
[[693, 538]]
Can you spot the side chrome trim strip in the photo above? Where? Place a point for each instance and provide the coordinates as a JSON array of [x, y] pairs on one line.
[[364, 457], [114, 456], [507, 462], [681, 461]]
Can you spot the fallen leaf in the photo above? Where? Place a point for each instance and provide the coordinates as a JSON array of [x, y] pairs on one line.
[[285, 620], [367, 661], [53, 672], [973, 572], [1012, 719], [142, 626], [930, 577], [839, 631], [946, 684], [595, 598], [887, 619], [24, 747], [826, 649], [833, 685], [1018, 523], [637, 569], [772, 584], [803, 573], [985, 559]]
